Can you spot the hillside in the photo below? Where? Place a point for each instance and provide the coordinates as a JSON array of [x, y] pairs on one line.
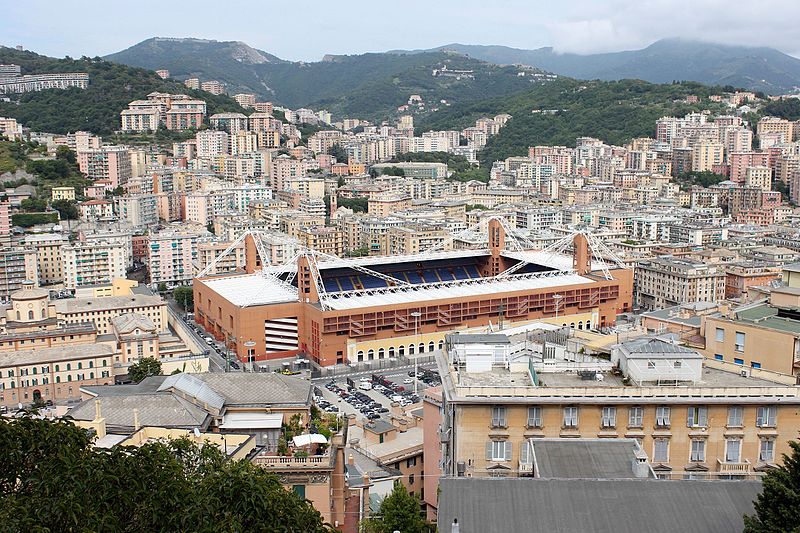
[[613, 111], [97, 108], [761, 69], [369, 85]]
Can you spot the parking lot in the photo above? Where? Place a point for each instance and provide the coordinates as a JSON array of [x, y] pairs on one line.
[[372, 398]]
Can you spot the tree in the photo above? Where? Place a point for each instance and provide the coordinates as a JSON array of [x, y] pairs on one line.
[[185, 297], [162, 287], [400, 511], [338, 152], [66, 208], [33, 205], [53, 479], [778, 506], [147, 366], [63, 152]]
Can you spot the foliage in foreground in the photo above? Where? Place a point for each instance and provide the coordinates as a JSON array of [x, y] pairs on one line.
[[146, 367], [53, 480], [400, 511], [778, 505]]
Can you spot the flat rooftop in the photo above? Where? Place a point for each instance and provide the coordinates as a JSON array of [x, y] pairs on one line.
[[585, 458], [80, 305], [59, 353]]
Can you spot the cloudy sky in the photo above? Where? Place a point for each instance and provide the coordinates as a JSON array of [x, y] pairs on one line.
[[308, 30]]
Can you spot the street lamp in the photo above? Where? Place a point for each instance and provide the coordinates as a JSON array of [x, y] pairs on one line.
[[416, 315], [557, 299], [249, 345]]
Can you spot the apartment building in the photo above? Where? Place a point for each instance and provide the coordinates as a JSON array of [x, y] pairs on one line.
[[668, 281], [694, 418], [93, 263], [232, 123], [138, 211], [62, 193], [387, 204], [49, 262], [109, 163], [213, 87], [172, 254], [212, 144], [39, 82], [326, 240], [762, 335], [94, 210], [140, 119], [706, 155], [416, 238], [100, 311], [17, 265], [775, 125]]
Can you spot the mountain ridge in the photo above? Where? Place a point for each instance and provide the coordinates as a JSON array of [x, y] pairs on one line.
[[666, 60]]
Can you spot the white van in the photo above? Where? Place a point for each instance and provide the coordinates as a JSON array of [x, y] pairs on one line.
[[365, 385], [210, 341]]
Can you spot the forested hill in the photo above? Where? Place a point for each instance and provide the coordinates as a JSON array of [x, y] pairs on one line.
[[557, 113], [97, 108], [369, 86]]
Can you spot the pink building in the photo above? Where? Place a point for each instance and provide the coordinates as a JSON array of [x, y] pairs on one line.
[[184, 119], [5, 223], [431, 448], [109, 163], [740, 161]]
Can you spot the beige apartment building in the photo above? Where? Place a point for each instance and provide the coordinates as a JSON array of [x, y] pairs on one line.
[[48, 256], [767, 125], [326, 240], [706, 155], [668, 281], [93, 263], [694, 418], [387, 204], [416, 238]]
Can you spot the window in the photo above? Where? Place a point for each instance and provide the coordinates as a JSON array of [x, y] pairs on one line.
[[661, 450], [360, 355], [662, 416], [300, 490], [498, 417], [739, 341], [698, 453], [570, 417], [635, 417], [411, 479], [431, 346], [421, 347], [755, 364], [609, 417], [697, 416], [720, 335], [525, 454], [732, 450], [498, 450], [766, 450], [735, 416], [411, 462], [410, 349], [718, 356], [765, 416], [651, 364], [738, 361], [534, 417], [380, 353]]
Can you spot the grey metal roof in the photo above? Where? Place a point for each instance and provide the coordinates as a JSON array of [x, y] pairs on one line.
[[584, 458], [193, 387], [653, 346], [479, 338], [163, 410], [253, 388], [486, 505]]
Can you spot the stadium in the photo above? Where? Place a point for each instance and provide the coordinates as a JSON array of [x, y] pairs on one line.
[[336, 310]]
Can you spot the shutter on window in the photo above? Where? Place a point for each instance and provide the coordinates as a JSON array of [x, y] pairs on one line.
[[702, 416], [760, 417], [523, 452], [489, 451], [508, 450], [690, 417]]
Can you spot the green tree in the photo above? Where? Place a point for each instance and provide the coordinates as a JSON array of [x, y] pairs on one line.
[[63, 152], [185, 297], [339, 153], [147, 366], [53, 479], [358, 205], [33, 205], [400, 511], [778, 506], [68, 209], [162, 287]]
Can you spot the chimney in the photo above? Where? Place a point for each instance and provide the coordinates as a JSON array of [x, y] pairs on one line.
[[350, 460], [98, 410], [99, 422], [641, 468], [454, 528], [136, 425]]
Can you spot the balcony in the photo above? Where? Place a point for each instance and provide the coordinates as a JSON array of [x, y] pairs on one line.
[[724, 467], [525, 468], [280, 462]]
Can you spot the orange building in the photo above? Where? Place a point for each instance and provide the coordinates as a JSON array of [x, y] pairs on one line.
[[320, 308]]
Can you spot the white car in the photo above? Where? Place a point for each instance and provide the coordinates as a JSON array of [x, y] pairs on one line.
[[365, 385], [408, 380]]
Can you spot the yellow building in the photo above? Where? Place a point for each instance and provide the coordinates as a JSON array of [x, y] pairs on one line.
[[117, 287], [387, 204], [63, 193], [693, 417]]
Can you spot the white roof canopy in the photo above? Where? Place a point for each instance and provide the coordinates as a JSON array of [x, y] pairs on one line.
[[246, 420]]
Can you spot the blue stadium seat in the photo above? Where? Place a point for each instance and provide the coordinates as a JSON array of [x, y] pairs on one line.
[[460, 272], [429, 276], [413, 277], [346, 284], [372, 283], [331, 285], [445, 275], [472, 270]]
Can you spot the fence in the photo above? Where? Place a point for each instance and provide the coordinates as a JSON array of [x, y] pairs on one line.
[[370, 366]]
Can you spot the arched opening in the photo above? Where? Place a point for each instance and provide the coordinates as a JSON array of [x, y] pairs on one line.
[[30, 314], [410, 349], [422, 347], [19, 317], [431, 346], [572, 325], [381, 353], [441, 344], [580, 324], [401, 350], [391, 351], [588, 325], [360, 355], [37, 395], [44, 313], [370, 354]]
